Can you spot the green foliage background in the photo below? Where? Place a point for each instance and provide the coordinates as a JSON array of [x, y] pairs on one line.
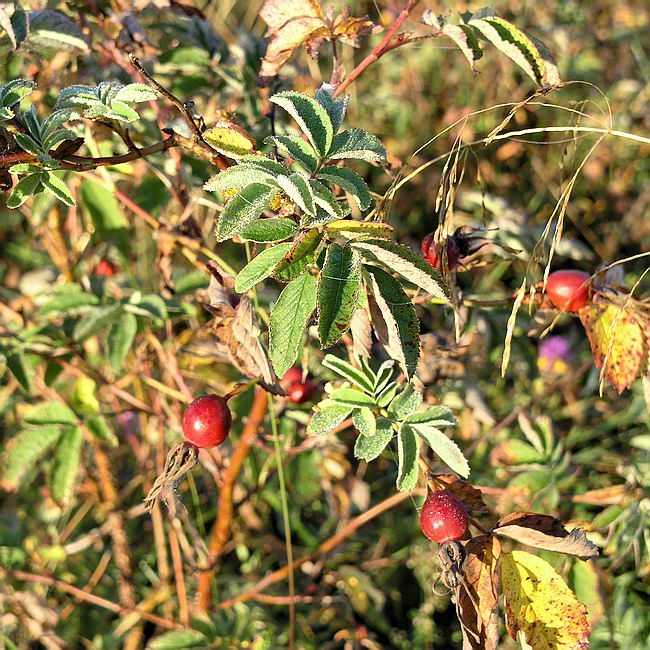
[[534, 441]]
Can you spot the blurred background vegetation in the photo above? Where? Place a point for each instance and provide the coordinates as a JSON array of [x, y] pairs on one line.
[[541, 438]]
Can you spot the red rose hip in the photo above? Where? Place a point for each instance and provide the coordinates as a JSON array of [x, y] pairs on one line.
[[292, 376], [106, 269], [568, 290], [443, 517], [300, 392], [206, 421], [430, 251]]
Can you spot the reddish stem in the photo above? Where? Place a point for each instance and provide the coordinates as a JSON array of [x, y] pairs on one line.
[[381, 49]]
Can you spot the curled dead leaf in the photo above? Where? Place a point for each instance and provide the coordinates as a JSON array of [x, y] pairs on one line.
[[478, 594], [293, 23], [468, 494], [546, 532]]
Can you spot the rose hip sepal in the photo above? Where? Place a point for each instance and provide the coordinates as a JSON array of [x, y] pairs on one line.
[[568, 289], [206, 421], [443, 517]]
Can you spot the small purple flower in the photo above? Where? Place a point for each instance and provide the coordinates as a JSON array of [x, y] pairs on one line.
[[554, 354]]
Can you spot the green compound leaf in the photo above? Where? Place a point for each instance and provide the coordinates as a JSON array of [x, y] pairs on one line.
[[66, 465], [95, 320], [22, 452], [57, 187], [401, 259], [269, 230], [288, 321], [465, 37], [395, 320], [434, 416], [260, 267], [293, 146], [527, 52], [20, 369], [239, 176], [405, 403], [23, 190], [243, 208], [407, 459], [48, 413], [447, 450], [100, 429], [364, 422], [51, 32], [179, 640], [335, 108], [329, 207], [339, 284], [299, 191], [370, 447], [120, 340], [106, 213], [68, 303], [328, 416], [14, 91], [357, 143], [348, 371], [349, 181], [302, 253], [311, 117], [352, 397]]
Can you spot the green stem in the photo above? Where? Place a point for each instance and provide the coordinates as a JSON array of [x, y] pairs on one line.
[[285, 519]]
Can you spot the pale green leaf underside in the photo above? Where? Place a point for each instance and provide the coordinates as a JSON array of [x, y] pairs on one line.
[[370, 447], [447, 450], [328, 417], [407, 460]]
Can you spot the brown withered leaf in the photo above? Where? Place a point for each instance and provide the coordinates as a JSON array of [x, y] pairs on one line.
[[468, 494], [546, 532], [478, 594], [348, 29], [361, 332], [236, 329], [293, 23], [619, 340]]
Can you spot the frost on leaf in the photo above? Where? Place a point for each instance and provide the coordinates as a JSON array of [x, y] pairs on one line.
[[619, 340], [540, 605]]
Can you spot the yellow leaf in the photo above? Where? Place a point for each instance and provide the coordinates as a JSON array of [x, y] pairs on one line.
[[230, 139], [84, 396], [618, 343], [540, 605]]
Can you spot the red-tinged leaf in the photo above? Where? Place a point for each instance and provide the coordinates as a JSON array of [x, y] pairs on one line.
[[478, 594], [468, 494], [546, 532], [619, 341], [540, 605]]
